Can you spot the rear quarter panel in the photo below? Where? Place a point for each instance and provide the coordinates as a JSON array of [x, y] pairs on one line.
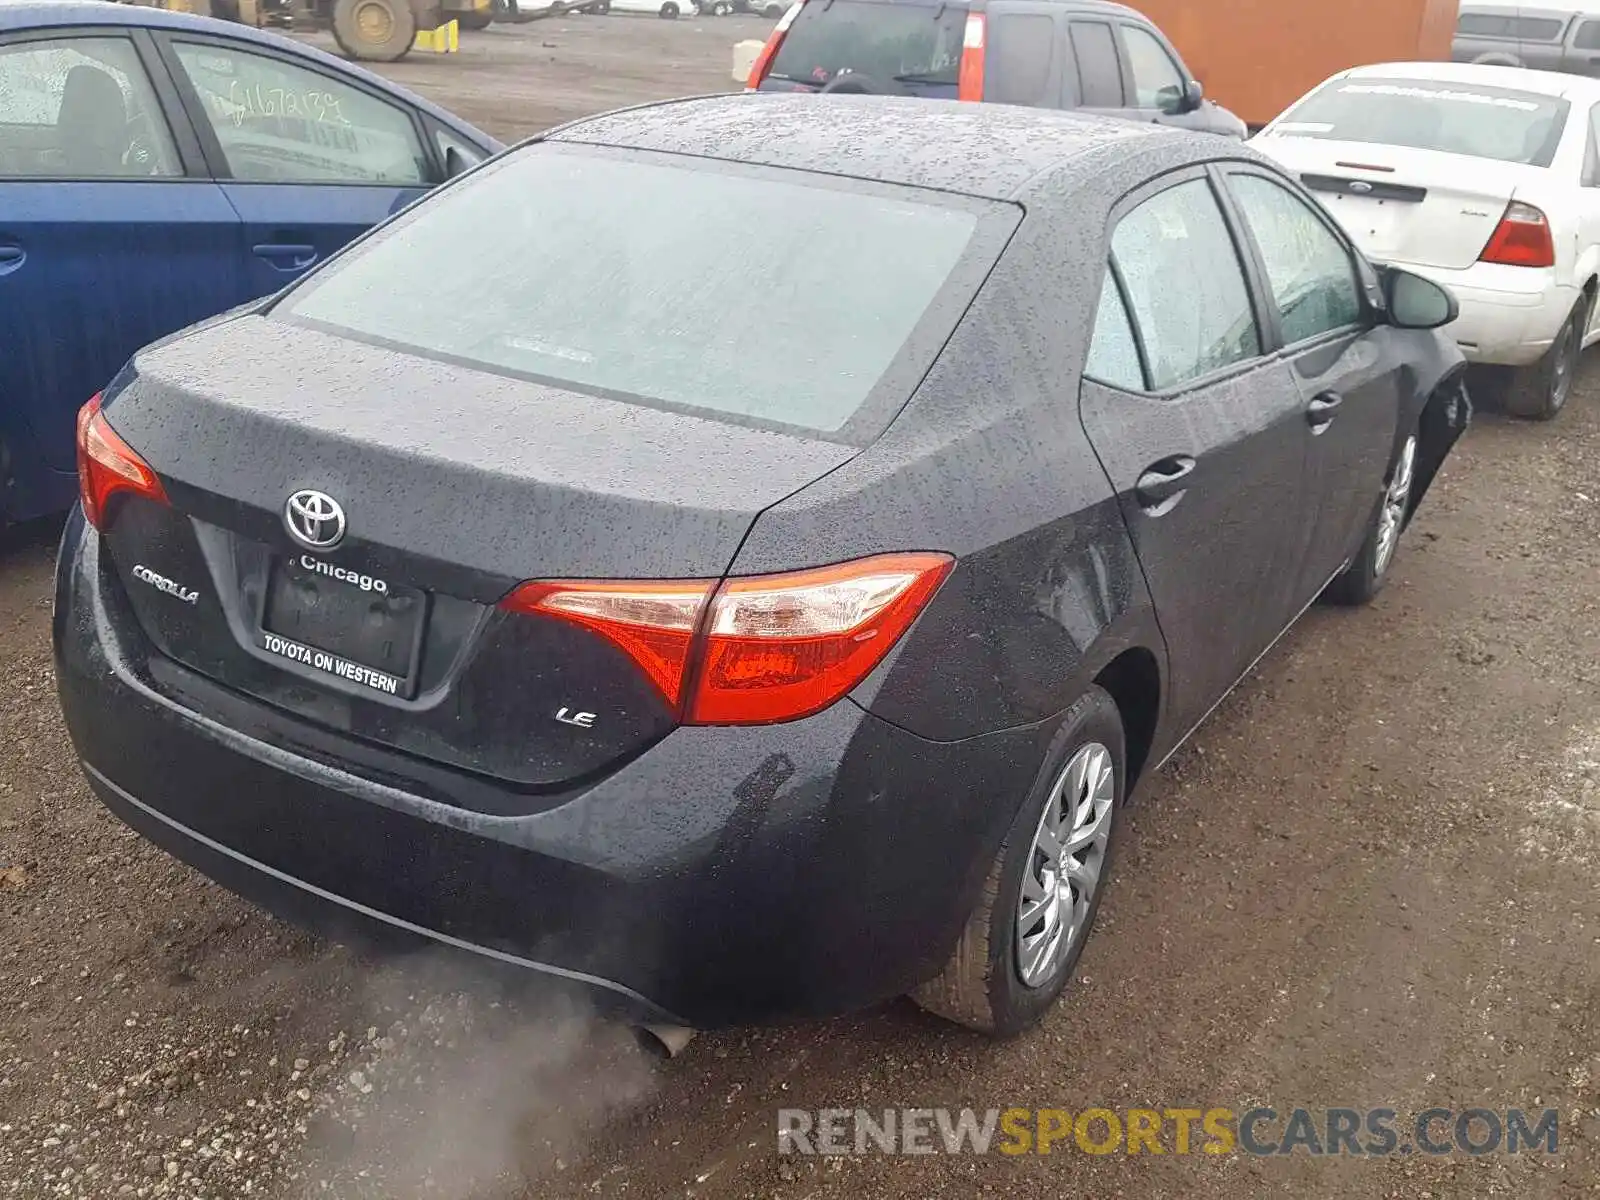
[[989, 462]]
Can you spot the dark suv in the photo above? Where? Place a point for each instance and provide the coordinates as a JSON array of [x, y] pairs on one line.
[[1078, 54]]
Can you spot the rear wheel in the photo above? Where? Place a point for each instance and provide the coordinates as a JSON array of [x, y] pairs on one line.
[[669, 11], [374, 30], [1540, 392], [1044, 888]]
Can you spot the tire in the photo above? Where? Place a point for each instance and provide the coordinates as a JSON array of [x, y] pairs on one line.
[[983, 985], [374, 30], [475, 20], [773, 11], [1540, 392], [721, 8], [669, 11], [1368, 572]]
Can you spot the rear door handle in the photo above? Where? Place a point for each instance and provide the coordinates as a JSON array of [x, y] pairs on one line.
[[1163, 484], [11, 258], [1321, 410], [286, 256]]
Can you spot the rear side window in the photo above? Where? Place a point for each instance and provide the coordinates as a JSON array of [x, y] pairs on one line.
[[1094, 47], [1113, 353], [1018, 59], [1186, 285], [80, 108], [1537, 29], [556, 266], [888, 42], [1458, 118]]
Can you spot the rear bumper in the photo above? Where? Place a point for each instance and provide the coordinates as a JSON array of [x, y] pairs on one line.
[[1509, 315], [725, 876]]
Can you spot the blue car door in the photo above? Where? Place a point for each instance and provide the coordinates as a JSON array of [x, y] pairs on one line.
[[112, 234], [309, 157]]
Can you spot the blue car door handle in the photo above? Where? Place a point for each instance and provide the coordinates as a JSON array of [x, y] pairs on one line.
[[286, 256], [11, 258]]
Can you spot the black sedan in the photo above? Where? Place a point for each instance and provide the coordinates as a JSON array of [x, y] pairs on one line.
[[473, 588]]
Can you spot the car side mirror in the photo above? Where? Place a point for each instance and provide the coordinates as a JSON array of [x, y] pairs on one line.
[[1176, 101], [455, 162], [1417, 303]]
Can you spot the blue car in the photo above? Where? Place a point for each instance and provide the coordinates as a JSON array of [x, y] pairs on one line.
[[157, 168]]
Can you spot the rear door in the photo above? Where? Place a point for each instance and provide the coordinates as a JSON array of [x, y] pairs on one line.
[[310, 159], [1202, 435], [1347, 374], [110, 234]]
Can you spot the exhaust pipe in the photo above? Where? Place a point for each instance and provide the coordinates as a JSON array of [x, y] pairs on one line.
[[663, 1041]]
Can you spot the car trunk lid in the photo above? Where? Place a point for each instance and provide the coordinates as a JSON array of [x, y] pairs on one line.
[[1407, 206], [455, 484]]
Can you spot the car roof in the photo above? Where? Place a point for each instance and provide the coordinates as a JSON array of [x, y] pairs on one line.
[[25, 15], [1522, 79], [987, 150]]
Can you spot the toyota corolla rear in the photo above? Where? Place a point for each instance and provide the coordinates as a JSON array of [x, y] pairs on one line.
[[405, 598], [1464, 178]]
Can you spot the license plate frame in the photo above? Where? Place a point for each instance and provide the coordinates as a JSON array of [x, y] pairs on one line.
[[292, 588]]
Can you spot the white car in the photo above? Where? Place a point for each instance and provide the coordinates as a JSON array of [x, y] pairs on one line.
[[1484, 179]]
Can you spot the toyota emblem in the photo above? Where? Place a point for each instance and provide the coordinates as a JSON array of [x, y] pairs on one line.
[[314, 519]]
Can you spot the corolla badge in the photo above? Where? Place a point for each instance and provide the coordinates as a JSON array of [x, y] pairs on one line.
[[314, 519], [162, 584]]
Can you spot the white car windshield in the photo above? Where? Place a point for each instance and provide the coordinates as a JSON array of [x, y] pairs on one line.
[[1422, 114]]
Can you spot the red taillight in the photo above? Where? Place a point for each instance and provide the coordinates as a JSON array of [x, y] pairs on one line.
[[969, 83], [654, 623], [763, 63], [107, 465], [762, 648], [1522, 239]]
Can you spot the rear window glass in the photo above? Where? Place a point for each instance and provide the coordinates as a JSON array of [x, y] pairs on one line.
[[1480, 122], [740, 294], [908, 43]]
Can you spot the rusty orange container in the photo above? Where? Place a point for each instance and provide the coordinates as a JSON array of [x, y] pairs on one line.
[[1257, 57]]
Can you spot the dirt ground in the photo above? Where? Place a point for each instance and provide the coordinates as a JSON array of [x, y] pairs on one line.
[[1369, 881]]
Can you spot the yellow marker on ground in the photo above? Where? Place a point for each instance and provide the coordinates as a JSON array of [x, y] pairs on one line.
[[444, 40]]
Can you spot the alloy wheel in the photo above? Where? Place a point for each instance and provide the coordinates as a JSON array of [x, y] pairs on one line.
[[1065, 864], [1395, 501]]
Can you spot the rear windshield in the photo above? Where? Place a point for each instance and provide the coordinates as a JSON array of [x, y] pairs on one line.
[[886, 41], [715, 289], [1481, 122]]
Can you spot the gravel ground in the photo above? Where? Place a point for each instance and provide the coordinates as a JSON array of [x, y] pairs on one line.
[[1369, 880]]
